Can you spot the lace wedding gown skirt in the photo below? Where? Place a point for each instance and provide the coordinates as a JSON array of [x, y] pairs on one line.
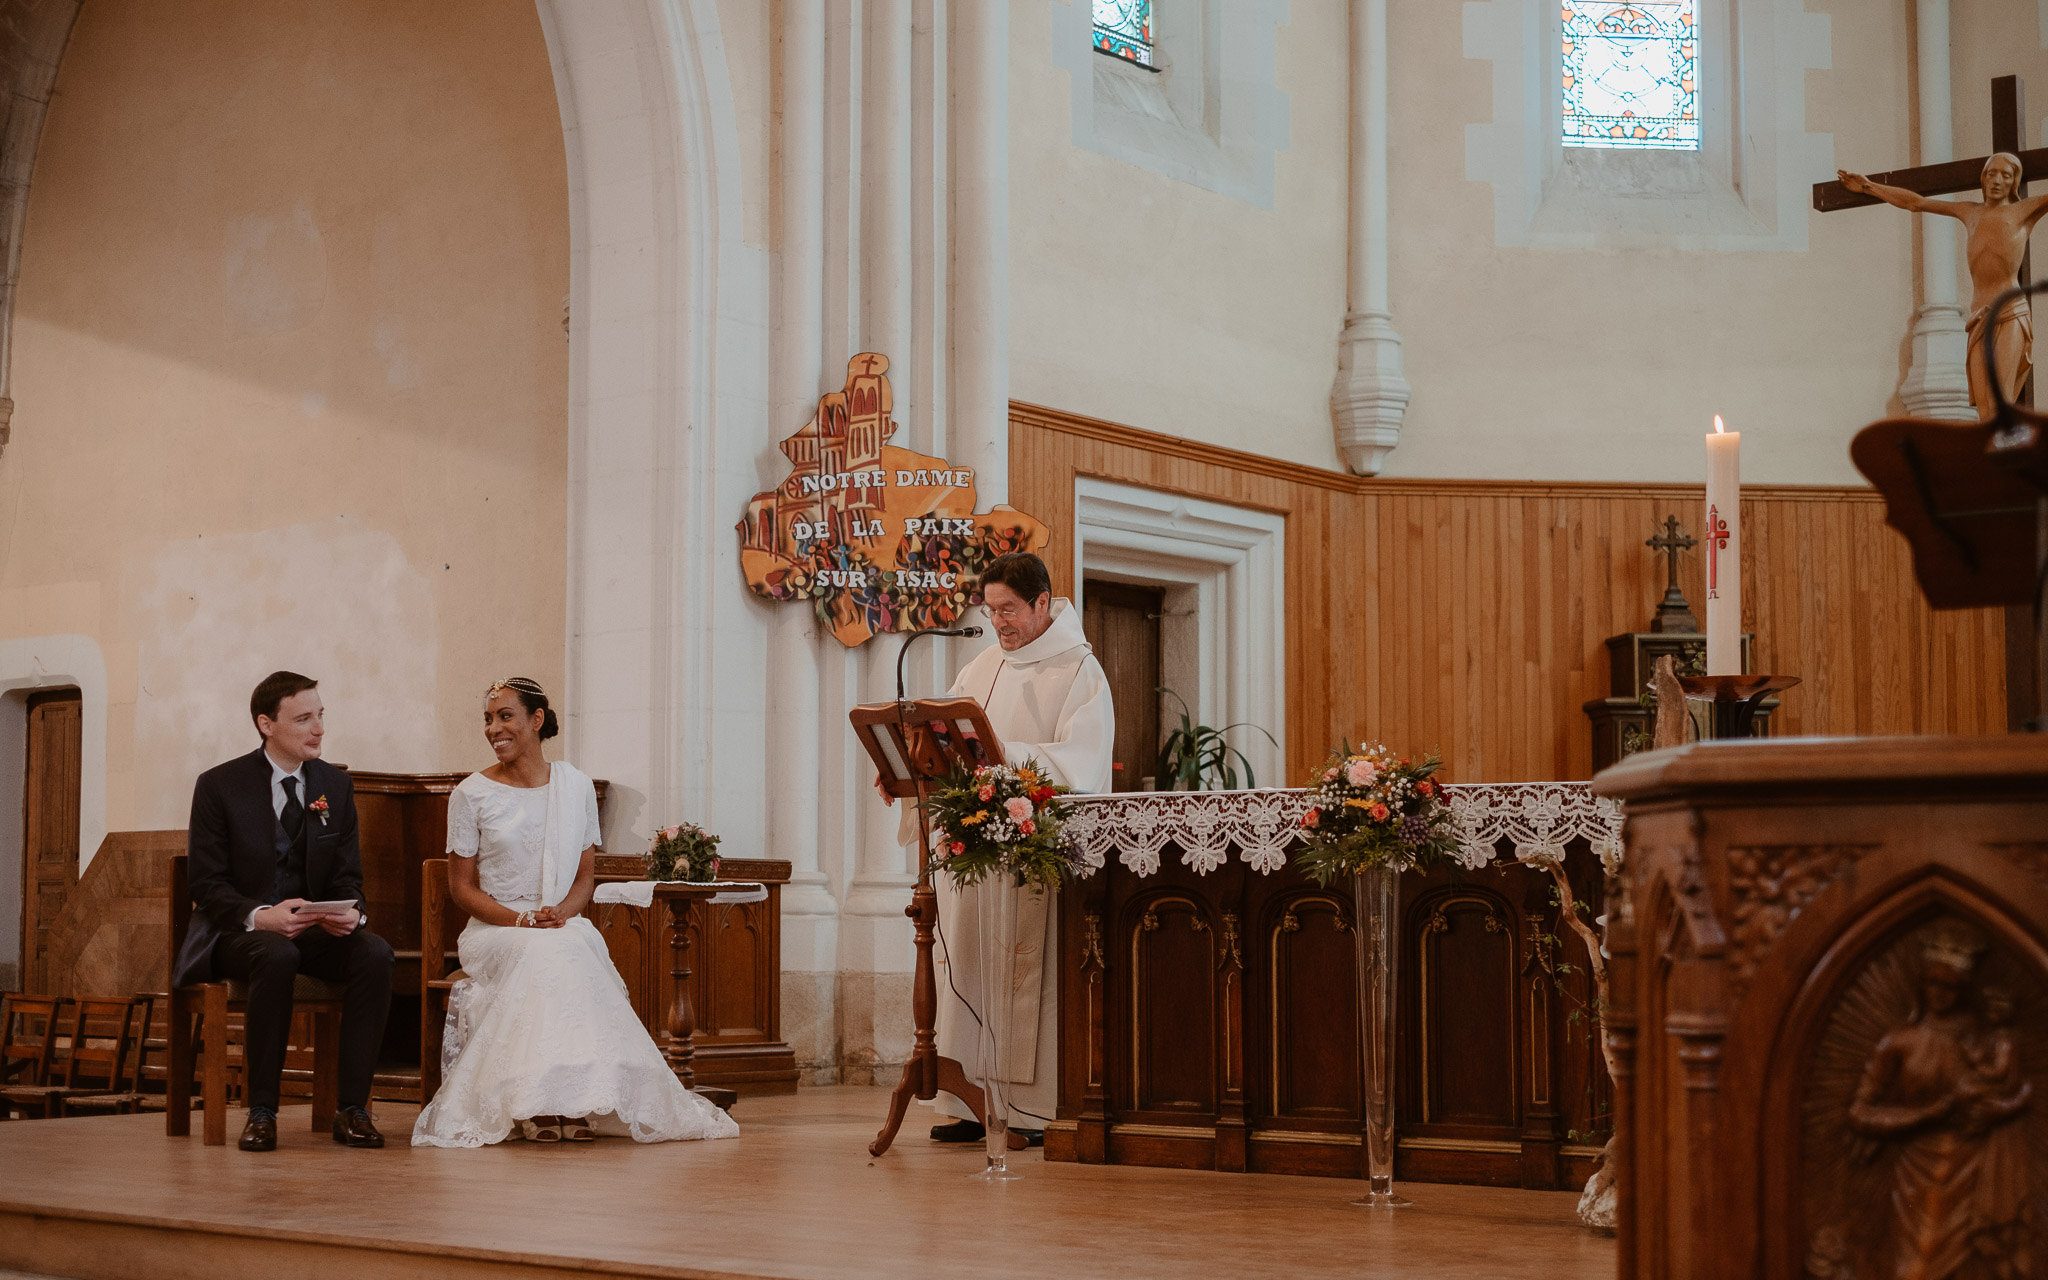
[[543, 1026]]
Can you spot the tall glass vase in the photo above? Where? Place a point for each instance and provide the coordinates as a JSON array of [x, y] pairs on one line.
[[996, 947], [1375, 908]]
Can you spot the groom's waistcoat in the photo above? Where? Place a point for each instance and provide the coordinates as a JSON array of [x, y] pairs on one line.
[[291, 862]]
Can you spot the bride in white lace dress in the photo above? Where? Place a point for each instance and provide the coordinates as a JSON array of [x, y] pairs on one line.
[[542, 1034]]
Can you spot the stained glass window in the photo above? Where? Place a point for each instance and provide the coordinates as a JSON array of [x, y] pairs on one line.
[[1123, 29], [1630, 74]]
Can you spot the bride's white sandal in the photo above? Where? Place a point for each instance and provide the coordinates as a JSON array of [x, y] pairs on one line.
[[542, 1129], [578, 1130]]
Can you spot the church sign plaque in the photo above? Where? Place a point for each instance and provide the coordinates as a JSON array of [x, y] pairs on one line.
[[875, 538]]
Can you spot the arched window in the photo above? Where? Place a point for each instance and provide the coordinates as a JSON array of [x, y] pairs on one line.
[[1123, 29], [1630, 74]]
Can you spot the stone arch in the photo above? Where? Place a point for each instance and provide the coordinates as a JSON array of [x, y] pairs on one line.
[[32, 40], [650, 129]]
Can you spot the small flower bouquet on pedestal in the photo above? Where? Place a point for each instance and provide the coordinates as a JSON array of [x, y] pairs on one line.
[[1372, 809], [1000, 818], [683, 852]]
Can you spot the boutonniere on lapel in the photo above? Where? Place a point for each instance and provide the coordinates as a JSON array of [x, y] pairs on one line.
[[320, 807]]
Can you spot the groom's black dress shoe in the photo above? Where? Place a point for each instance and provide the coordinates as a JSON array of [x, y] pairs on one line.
[[958, 1131], [352, 1126], [260, 1133]]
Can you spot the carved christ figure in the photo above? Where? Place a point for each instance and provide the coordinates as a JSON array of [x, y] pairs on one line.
[[1996, 232]]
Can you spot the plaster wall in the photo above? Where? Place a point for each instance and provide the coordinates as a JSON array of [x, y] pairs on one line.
[[2003, 38], [1153, 302], [290, 376]]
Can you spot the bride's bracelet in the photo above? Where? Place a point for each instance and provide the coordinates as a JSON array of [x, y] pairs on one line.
[[525, 920]]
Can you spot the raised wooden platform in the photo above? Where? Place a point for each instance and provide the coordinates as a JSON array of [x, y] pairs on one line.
[[796, 1195]]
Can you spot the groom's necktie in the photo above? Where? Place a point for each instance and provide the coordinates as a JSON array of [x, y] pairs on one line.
[[293, 816]]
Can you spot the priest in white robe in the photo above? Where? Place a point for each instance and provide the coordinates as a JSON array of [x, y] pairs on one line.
[[1047, 700]]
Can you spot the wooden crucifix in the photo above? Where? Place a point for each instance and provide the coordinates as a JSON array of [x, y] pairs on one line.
[[2008, 137], [1998, 230]]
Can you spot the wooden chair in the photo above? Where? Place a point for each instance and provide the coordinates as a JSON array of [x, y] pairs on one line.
[[209, 1004], [109, 1039], [28, 1044], [441, 922]]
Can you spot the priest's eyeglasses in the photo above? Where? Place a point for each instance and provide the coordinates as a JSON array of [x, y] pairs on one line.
[[1009, 613]]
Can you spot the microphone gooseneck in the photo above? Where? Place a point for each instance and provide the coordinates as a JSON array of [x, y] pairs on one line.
[[913, 637]]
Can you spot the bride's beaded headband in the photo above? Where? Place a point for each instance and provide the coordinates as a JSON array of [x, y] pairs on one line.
[[518, 683]]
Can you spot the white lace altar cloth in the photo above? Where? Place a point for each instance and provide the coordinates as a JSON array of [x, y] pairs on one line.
[[1535, 820]]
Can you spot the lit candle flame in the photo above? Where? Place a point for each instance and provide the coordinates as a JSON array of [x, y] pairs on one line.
[[1719, 430]]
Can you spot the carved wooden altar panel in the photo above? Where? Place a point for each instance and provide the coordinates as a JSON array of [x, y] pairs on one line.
[[1215, 1026], [1173, 1057], [1831, 1009], [1464, 1047], [1311, 1011]]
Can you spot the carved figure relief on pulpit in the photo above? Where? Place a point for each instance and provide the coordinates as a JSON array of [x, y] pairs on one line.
[[1925, 1148]]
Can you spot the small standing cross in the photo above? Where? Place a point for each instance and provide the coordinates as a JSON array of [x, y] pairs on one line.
[[1674, 615]]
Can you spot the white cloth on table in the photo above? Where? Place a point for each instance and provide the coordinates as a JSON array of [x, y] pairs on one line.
[[640, 893], [1047, 701], [543, 1024]]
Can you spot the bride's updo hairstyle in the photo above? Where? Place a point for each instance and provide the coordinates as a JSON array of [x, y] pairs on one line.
[[532, 697]]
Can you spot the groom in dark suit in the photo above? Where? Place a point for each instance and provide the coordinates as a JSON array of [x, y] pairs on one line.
[[271, 832]]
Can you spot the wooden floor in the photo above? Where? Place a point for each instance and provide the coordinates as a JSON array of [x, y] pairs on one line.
[[796, 1195]]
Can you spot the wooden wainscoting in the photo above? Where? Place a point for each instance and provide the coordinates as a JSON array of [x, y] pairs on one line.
[[1469, 616], [110, 939]]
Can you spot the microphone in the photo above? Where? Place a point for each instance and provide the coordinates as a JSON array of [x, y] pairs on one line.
[[964, 632]]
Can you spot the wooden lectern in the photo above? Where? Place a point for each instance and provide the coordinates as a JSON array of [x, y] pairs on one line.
[[916, 745]]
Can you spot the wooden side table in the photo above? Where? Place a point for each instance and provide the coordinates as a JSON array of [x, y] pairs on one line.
[[681, 1050], [735, 963]]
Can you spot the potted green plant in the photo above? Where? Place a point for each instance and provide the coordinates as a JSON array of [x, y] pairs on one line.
[[1195, 757]]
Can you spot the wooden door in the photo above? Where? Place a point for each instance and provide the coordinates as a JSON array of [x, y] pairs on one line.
[[1122, 622], [49, 850]]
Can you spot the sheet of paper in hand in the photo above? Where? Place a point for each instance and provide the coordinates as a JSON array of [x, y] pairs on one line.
[[339, 907]]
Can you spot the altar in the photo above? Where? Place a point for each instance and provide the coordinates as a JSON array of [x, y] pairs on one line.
[[1208, 1018]]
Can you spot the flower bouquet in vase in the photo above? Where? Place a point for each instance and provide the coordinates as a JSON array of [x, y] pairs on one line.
[[683, 852], [1374, 815], [996, 832]]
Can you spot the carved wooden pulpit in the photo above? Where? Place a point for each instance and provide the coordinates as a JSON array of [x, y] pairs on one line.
[[1830, 1009], [1830, 977]]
